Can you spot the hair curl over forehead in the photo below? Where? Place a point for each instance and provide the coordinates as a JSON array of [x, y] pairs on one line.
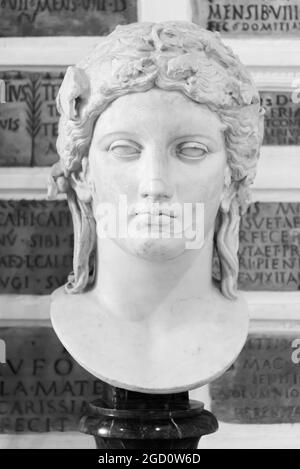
[[172, 56]]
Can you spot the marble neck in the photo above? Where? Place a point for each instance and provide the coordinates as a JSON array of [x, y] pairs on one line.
[[137, 289]]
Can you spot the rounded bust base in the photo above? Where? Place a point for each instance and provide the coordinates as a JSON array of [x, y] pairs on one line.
[[144, 421]]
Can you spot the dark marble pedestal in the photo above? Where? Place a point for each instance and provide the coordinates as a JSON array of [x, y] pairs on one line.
[[131, 420]]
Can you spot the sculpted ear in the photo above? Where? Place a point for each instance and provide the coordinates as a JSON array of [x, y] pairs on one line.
[[73, 90]]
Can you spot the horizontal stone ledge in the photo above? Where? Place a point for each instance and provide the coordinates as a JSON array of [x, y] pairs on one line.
[[63, 51], [287, 52], [25, 310], [253, 436], [53, 440], [264, 306]]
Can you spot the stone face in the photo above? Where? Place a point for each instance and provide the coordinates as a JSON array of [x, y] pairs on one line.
[[29, 119], [36, 242], [42, 388], [263, 385], [248, 17], [282, 118], [64, 17]]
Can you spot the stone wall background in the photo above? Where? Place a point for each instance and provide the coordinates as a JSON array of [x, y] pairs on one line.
[[40, 385]]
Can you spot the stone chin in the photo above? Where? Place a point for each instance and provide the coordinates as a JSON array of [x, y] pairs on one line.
[[162, 244], [153, 249]]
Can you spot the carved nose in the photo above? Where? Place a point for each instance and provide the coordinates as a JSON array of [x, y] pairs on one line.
[[156, 188]]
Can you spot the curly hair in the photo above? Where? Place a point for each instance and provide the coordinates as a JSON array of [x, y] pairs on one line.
[[172, 56]]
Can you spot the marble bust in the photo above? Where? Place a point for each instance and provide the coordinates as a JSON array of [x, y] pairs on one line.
[[163, 115]]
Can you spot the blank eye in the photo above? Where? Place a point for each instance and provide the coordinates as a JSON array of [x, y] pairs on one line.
[[192, 151], [125, 149]]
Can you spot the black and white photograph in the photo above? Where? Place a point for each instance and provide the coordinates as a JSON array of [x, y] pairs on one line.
[[149, 229]]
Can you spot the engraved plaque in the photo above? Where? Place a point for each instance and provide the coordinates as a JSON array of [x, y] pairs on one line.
[[282, 118], [43, 117], [248, 17], [29, 119], [42, 388], [64, 17], [263, 385], [15, 148], [36, 243], [269, 251]]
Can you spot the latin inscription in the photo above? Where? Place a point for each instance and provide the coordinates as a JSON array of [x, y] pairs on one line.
[[263, 385], [36, 244], [248, 17], [64, 17], [282, 118], [269, 251]]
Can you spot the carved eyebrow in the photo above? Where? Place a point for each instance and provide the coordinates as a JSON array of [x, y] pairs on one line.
[[119, 135], [198, 138]]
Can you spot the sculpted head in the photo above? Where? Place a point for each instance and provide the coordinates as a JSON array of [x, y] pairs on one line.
[[162, 113]]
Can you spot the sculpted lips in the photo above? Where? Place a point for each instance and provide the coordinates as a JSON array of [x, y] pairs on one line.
[[154, 210], [154, 213]]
